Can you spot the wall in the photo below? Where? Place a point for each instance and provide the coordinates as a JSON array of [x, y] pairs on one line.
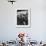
[[8, 28]]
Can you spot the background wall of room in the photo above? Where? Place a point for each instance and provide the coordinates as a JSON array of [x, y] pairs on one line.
[[8, 30]]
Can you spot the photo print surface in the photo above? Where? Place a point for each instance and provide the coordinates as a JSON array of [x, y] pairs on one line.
[[22, 17]]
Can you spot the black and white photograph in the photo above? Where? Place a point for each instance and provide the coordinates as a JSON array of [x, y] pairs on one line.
[[23, 17]]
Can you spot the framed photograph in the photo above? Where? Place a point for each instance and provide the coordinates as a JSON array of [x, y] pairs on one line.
[[23, 17]]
